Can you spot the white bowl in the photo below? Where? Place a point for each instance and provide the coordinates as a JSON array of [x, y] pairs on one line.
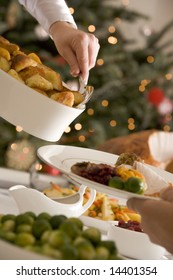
[[133, 244], [37, 114]]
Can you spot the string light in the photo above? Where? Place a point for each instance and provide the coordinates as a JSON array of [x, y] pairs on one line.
[[131, 120], [111, 29], [14, 146], [113, 123], [112, 40], [82, 138], [100, 62], [168, 76], [68, 129], [105, 103], [117, 20], [150, 59], [90, 112], [143, 85], [38, 166], [91, 28], [19, 128], [168, 118], [166, 128], [78, 126], [71, 10], [141, 88], [131, 126], [125, 2]]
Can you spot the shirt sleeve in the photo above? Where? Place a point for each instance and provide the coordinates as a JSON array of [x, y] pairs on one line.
[[47, 12]]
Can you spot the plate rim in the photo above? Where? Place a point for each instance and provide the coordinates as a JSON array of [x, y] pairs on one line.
[[48, 149]]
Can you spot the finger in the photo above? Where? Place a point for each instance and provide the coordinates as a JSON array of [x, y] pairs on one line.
[[93, 50], [83, 60], [71, 59], [167, 194]]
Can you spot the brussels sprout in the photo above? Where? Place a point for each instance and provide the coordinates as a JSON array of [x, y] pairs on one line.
[[58, 238], [24, 219], [116, 182], [86, 250], [57, 220], [134, 185], [93, 234], [24, 238], [40, 226], [70, 228]]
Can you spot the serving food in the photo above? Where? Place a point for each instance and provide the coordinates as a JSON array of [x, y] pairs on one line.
[[29, 70], [33, 96], [56, 237], [128, 174], [104, 208], [134, 244]]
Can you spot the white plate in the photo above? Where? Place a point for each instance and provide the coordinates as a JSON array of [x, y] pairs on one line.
[[63, 157]]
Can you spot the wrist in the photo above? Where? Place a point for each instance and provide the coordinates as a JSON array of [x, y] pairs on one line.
[[59, 26]]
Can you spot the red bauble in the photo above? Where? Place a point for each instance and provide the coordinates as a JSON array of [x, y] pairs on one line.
[[50, 170], [156, 96]]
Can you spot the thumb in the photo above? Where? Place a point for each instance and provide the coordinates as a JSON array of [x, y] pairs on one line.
[[167, 194], [136, 204]]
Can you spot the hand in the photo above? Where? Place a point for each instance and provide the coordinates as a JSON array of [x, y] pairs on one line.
[[78, 48], [156, 217]]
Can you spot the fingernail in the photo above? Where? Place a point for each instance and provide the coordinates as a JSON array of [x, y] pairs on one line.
[[74, 73]]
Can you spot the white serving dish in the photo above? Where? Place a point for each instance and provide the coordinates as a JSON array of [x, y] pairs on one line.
[[37, 114], [28, 199], [133, 244]]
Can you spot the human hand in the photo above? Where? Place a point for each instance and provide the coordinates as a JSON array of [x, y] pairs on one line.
[[78, 48], [156, 217]]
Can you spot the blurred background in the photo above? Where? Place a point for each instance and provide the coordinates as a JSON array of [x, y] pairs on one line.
[[133, 77]]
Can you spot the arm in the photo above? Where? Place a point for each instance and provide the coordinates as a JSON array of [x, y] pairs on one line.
[[156, 217], [79, 49]]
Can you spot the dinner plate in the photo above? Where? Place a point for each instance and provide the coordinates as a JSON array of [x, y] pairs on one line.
[[63, 157]]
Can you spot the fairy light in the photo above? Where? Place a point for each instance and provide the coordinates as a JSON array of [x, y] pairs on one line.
[[68, 129], [111, 29], [100, 62], [131, 120], [82, 138], [38, 166], [168, 117], [131, 126], [71, 10], [26, 150], [113, 123], [105, 103], [19, 128], [91, 28], [117, 20], [141, 88], [112, 40], [166, 128], [131, 123], [150, 59], [78, 126], [143, 85], [168, 76], [13, 146], [125, 2], [90, 112]]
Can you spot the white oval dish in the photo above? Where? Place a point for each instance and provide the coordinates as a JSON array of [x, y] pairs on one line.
[[37, 114], [133, 244]]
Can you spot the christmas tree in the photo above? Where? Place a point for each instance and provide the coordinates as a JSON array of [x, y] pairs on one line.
[[133, 88]]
